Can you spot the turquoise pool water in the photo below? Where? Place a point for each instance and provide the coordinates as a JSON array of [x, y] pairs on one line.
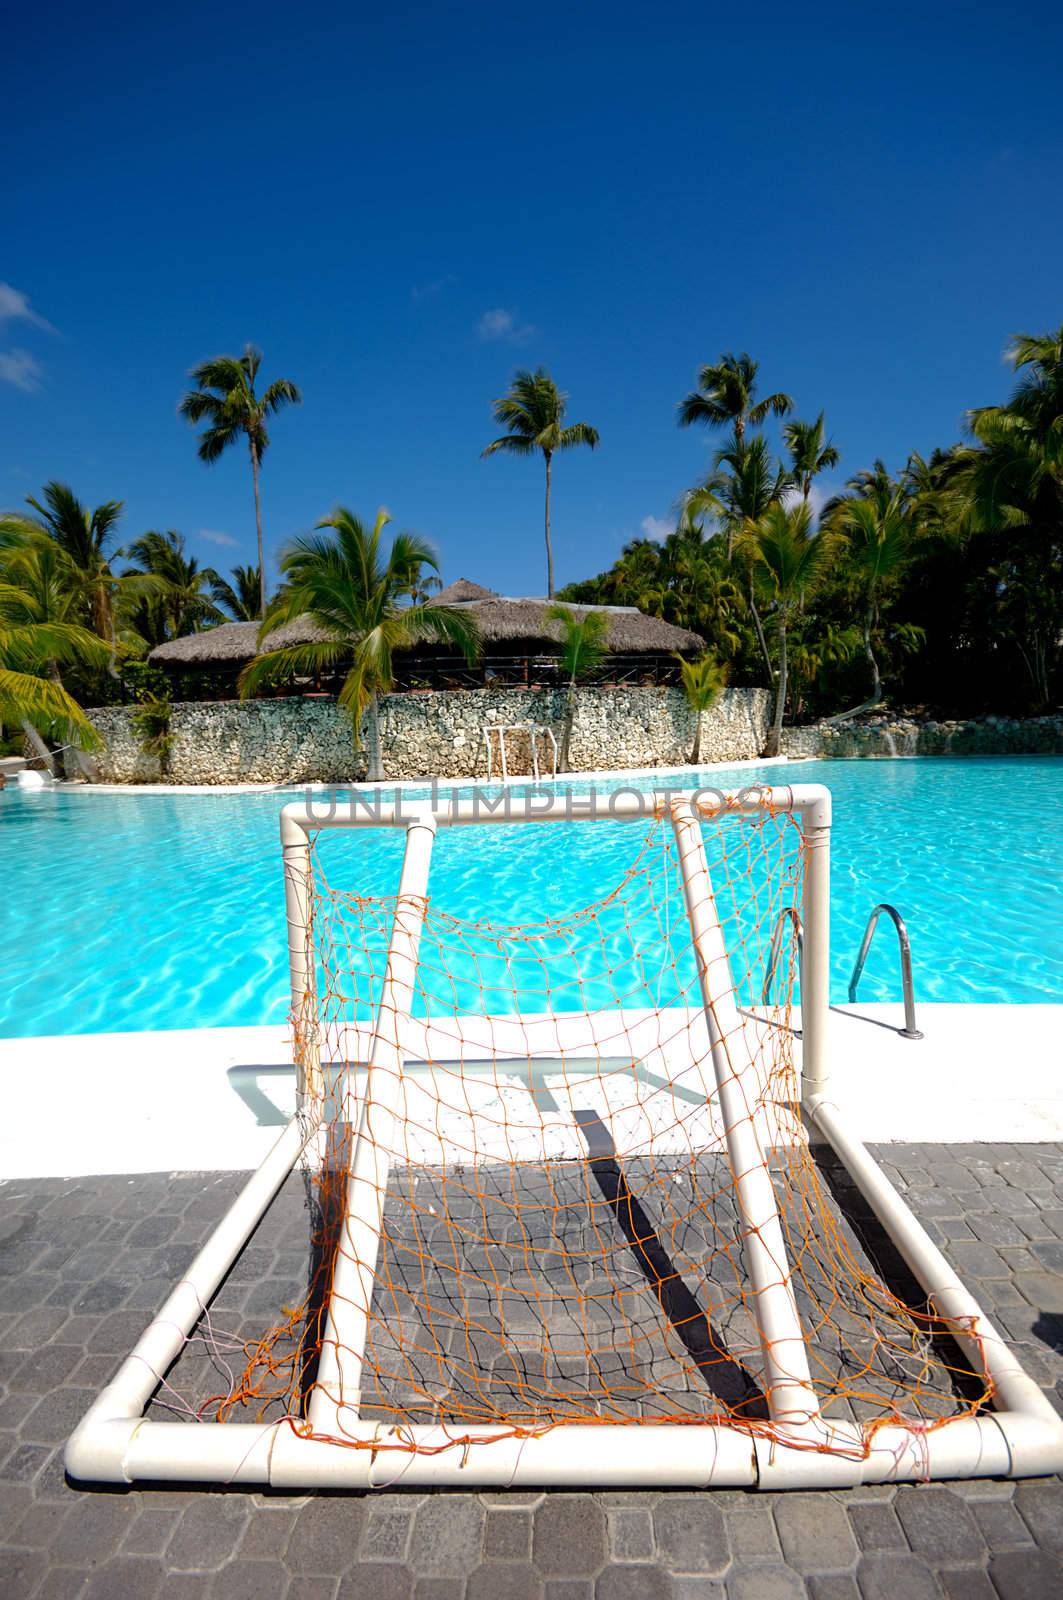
[[136, 911]]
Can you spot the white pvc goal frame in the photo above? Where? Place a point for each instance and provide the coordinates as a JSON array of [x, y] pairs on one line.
[[1021, 1436]]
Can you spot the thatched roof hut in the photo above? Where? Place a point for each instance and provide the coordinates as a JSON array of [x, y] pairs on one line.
[[518, 643], [505, 620], [231, 644]]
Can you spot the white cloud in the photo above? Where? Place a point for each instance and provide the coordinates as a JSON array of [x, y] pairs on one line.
[[817, 498], [213, 536], [501, 324], [21, 370], [424, 291], [657, 527], [15, 307]]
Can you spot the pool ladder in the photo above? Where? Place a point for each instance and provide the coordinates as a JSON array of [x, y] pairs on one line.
[[791, 915]]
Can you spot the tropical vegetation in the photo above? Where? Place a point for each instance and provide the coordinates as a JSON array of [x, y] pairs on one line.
[[355, 591], [936, 587], [703, 680], [40, 637], [583, 648]]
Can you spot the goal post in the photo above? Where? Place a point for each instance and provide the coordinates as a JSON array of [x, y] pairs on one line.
[[570, 1223]]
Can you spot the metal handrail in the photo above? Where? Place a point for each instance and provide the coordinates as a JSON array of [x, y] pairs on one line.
[[787, 914], [909, 1031]]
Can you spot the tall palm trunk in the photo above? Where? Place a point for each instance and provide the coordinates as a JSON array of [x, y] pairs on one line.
[[775, 736], [549, 547], [566, 732], [253, 446], [755, 614], [695, 754], [876, 677], [103, 623], [73, 756], [38, 746], [375, 773]]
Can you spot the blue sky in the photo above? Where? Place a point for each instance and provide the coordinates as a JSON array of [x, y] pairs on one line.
[[402, 205]]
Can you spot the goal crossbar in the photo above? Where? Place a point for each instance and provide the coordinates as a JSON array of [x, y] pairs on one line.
[[335, 1446]]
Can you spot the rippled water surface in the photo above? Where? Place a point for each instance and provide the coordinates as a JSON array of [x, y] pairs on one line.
[[136, 911]]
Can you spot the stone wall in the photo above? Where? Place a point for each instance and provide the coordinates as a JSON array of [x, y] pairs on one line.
[[903, 736], [430, 734]]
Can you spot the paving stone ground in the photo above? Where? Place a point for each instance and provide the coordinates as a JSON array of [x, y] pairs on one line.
[[84, 1262]]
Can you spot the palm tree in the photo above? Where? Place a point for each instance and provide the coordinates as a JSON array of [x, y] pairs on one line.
[[812, 654], [583, 647], [810, 453], [879, 538], [424, 587], [242, 598], [180, 598], [1037, 399], [344, 583], [744, 485], [225, 398], [87, 538], [703, 680], [789, 557], [36, 636], [534, 411], [724, 397]]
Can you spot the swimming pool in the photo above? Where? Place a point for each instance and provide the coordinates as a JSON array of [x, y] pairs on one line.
[[143, 911]]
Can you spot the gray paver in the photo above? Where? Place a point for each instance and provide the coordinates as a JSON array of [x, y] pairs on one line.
[[387, 1533], [764, 1581], [249, 1580], [569, 1537], [1027, 1576], [1040, 1506], [688, 1588], [877, 1528], [939, 1525], [447, 1537], [630, 1534], [750, 1528], [370, 1583], [504, 1580], [507, 1535], [208, 1533], [896, 1577], [691, 1535], [1000, 1525], [634, 1583], [833, 1586], [109, 1243], [325, 1536], [129, 1578], [815, 1533]]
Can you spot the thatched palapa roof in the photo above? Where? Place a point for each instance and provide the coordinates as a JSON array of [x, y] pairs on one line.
[[519, 623], [507, 620], [462, 590], [230, 644]]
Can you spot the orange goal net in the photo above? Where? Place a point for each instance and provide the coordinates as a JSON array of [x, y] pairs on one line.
[[583, 1207], [562, 1174]]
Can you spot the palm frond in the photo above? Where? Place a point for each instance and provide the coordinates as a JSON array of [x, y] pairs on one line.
[[47, 706], [276, 666]]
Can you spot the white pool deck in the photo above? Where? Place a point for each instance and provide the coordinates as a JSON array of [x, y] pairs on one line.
[[215, 1099]]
